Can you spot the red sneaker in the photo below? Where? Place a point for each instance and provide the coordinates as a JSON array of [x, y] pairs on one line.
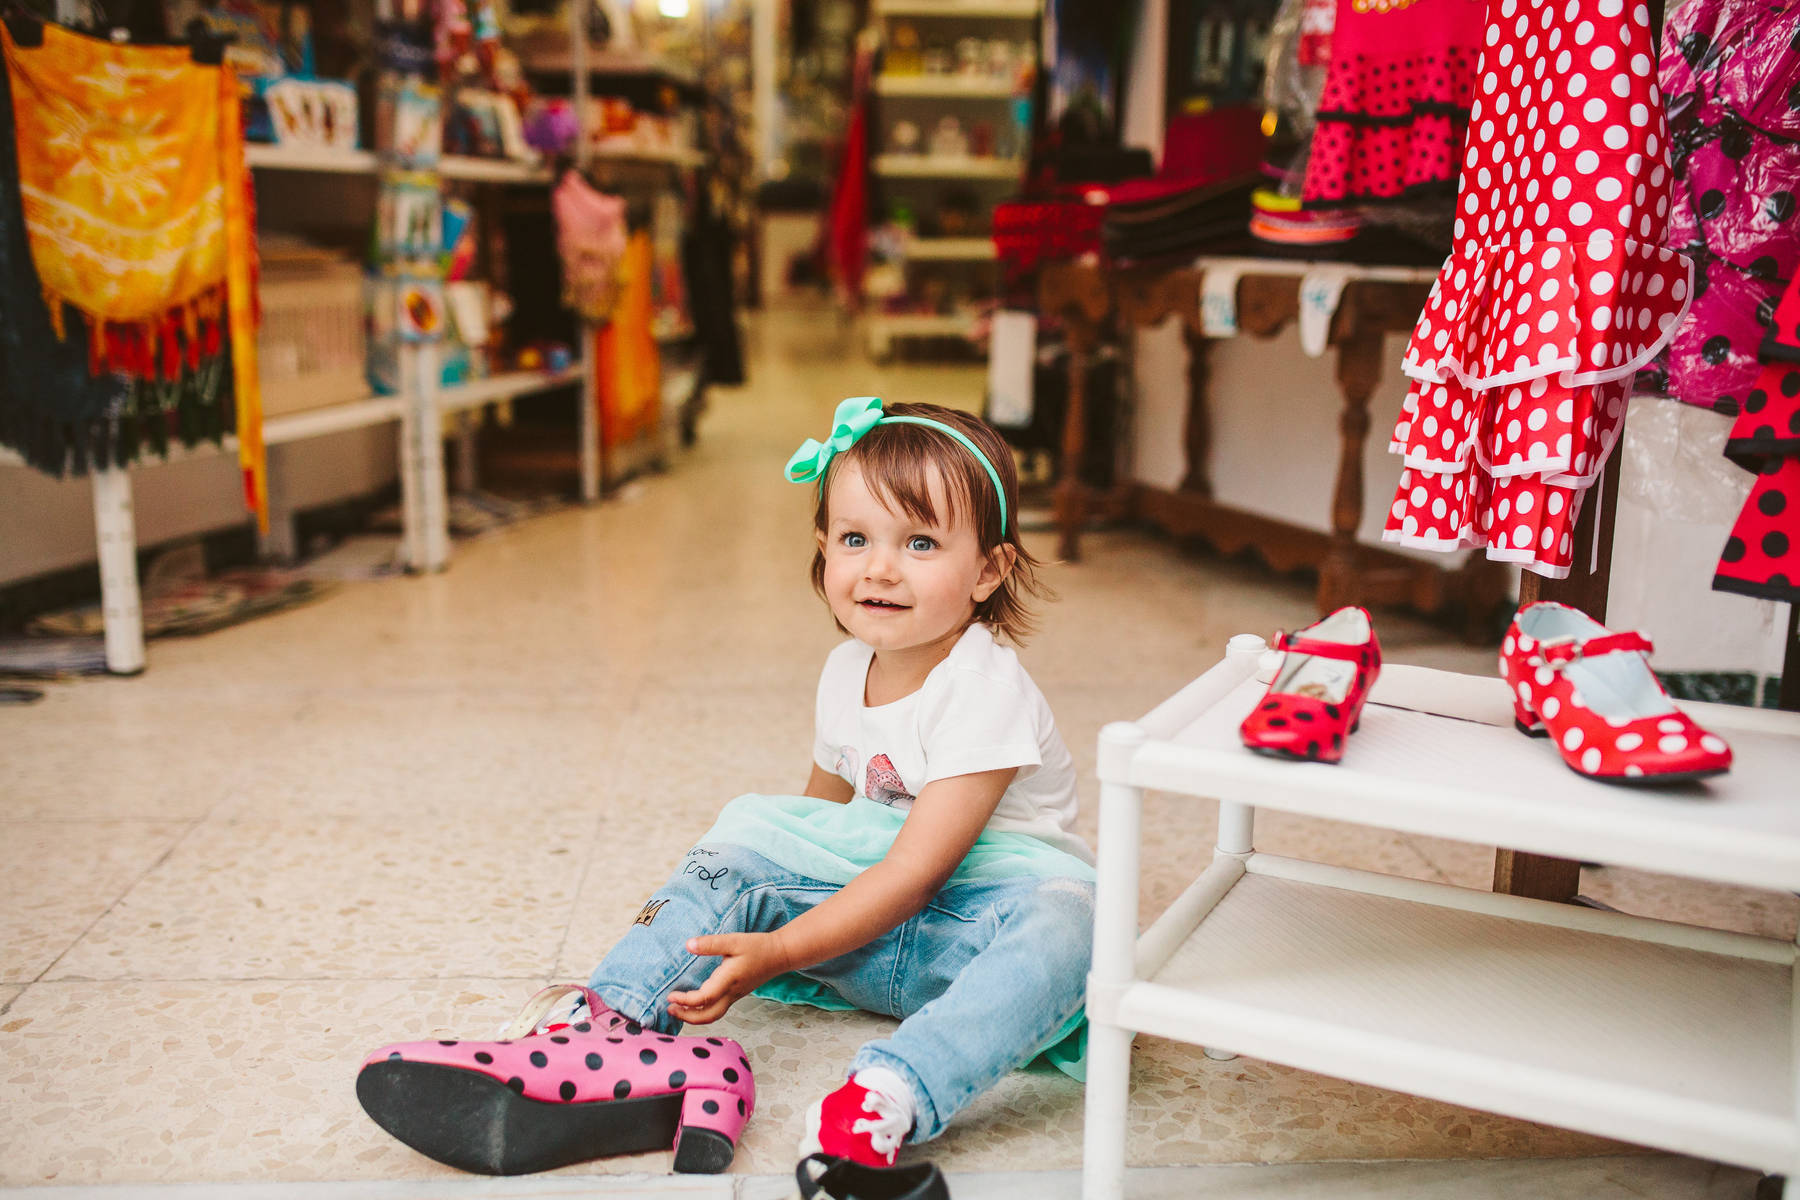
[[858, 1123]]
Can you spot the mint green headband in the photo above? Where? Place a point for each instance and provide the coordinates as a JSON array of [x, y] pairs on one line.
[[855, 417]]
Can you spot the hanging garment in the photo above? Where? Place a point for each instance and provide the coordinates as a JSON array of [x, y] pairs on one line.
[[1731, 75], [847, 218], [1395, 108], [136, 210], [1558, 292], [628, 364], [1762, 556], [590, 239], [706, 252]]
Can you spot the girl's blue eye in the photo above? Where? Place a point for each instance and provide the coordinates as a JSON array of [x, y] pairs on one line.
[[854, 541], [919, 543]]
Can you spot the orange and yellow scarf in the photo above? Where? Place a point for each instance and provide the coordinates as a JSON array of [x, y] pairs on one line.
[[137, 211]]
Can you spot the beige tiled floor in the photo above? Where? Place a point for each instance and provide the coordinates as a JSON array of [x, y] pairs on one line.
[[401, 810]]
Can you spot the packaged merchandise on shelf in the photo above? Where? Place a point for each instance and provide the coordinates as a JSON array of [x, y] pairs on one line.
[[590, 237], [312, 112]]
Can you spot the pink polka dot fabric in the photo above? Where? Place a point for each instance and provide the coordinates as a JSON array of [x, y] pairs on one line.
[[1557, 292], [1395, 106]]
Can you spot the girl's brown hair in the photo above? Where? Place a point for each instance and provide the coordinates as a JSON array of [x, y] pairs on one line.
[[897, 461]]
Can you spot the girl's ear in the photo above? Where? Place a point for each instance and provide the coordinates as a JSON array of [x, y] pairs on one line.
[[819, 538], [999, 564]]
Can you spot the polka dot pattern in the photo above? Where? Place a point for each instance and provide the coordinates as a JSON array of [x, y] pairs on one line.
[[1761, 556], [1600, 744], [1557, 292], [1395, 107], [1736, 156], [1564, 197]]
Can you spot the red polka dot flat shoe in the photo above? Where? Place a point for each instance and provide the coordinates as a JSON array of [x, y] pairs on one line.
[[1316, 700], [1592, 692], [546, 1095]]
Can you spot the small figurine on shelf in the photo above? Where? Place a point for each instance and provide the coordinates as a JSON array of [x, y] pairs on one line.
[[948, 139], [903, 138], [903, 55]]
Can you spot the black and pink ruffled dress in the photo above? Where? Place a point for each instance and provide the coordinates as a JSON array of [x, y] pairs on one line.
[[1558, 291]]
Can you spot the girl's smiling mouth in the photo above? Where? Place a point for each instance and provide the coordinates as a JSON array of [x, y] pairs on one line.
[[882, 605]]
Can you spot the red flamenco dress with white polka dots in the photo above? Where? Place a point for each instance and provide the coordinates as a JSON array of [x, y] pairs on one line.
[[1558, 290]]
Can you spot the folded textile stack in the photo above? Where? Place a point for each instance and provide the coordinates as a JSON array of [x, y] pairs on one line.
[[1202, 193]]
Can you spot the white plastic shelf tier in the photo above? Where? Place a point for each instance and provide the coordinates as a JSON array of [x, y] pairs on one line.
[[1653, 1032], [930, 166], [974, 87], [267, 157], [1017, 9], [1438, 755], [946, 249]]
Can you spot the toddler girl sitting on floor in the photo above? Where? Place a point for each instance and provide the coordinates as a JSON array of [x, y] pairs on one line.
[[928, 873]]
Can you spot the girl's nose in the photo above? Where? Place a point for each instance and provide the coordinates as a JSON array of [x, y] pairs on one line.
[[882, 562]]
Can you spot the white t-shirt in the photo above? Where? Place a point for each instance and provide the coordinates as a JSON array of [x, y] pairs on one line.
[[977, 711]]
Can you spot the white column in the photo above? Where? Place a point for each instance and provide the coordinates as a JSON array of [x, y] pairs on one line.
[[281, 543], [434, 500], [764, 63], [1115, 951], [588, 418], [115, 536]]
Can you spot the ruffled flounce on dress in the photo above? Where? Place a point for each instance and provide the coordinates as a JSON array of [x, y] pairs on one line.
[[1557, 293]]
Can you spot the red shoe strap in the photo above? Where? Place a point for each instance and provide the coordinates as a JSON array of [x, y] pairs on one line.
[[1558, 654], [1347, 651]]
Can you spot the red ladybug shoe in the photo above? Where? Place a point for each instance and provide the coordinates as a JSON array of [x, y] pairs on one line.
[[1316, 700], [1593, 693]]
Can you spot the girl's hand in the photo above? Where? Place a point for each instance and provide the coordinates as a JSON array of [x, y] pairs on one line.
[[750, 960]]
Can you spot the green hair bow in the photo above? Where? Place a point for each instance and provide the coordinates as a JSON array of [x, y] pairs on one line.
[[855, 417]]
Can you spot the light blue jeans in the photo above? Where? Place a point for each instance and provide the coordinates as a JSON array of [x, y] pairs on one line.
[[980, 979]]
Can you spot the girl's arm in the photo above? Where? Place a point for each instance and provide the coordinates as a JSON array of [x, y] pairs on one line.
[[825, 785], [945, 821]]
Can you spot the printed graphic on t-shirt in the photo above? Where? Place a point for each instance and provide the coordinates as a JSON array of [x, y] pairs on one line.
[[884, 783]]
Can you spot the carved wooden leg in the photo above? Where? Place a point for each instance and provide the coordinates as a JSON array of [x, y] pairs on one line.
[[1199, 415], [1071, 509], [1359, 367]]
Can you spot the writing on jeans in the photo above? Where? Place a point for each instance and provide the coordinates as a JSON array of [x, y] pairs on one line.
[[711, 877]]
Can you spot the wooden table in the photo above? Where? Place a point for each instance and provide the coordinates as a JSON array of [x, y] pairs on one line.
[[1087, 297]]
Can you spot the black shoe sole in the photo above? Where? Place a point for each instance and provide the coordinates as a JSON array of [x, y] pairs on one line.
[[473, 1122]]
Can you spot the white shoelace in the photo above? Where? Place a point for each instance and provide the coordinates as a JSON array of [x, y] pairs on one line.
[[887, 1128]]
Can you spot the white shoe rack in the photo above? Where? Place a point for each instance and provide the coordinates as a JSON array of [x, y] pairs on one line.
[[1668, 1035]]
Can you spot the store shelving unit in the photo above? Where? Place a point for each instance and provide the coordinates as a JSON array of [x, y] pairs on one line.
[[1648, 1031], [931, 184]]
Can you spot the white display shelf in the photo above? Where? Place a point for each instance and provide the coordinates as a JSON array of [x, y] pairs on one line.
[[932, 166], [1019, 9], [883, 329], [504, 387], [665, 156], [1469, 775], [973, 87], [267, 156], [978, 249], [1652, 1032], [492, 170], [1617, 1033]]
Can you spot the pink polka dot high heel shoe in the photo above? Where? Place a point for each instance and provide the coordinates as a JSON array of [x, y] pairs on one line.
[[546, 1095], [1592, 692]]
